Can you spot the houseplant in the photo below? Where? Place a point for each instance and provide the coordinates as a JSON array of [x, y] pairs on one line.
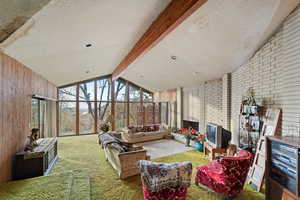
[[105, 127], [189, 134], [199, 138]]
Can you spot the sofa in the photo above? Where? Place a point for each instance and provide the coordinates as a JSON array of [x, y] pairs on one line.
[[226, 175], [146, 133], [162, 181], [122, 156]]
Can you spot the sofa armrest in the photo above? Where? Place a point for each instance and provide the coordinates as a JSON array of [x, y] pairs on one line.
[[133, 152], [131, 158], [135, 148]]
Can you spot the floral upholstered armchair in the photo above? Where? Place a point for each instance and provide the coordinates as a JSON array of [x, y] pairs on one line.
[[227, 175], [165, 181]]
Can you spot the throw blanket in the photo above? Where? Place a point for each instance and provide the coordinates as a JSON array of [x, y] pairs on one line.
[[107, 139], [159, 176]]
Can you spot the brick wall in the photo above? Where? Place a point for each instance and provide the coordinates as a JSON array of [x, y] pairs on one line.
[[213, 102], [273, 72], [204, 103], [226, 101]]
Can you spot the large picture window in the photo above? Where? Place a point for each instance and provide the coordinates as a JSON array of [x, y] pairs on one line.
[[42, 113], [67, 118], [85, 106]]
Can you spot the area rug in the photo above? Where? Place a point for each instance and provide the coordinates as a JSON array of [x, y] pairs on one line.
[[163, 148], [83, 164]]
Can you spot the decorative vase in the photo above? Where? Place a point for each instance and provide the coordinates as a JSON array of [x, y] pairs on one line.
[[199, 146], [188, 141]]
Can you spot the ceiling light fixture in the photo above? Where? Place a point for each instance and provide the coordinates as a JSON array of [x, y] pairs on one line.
[[195, 73], [173, 57]]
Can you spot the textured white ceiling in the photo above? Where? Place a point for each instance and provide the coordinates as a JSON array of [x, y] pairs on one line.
[[215, 40], [54, 46]]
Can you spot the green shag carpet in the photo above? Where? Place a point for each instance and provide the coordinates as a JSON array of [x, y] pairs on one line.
[[82, 173]]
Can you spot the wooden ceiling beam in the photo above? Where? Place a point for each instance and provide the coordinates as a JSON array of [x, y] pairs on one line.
[[174, 14]]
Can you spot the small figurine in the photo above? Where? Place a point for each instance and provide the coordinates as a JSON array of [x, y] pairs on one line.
[[231, 150], [32, 140]]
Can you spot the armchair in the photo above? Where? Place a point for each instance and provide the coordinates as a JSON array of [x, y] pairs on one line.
[[227, 175], [165, 181]]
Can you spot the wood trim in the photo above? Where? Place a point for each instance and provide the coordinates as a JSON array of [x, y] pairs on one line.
[[113, 124], [95, 107], [57, 114], [138, 86], [127, 105], [168, 104], [36, 96], [102, 77], [84, 81], [174, 14], [142, 106], [77, 109], [153, 110]]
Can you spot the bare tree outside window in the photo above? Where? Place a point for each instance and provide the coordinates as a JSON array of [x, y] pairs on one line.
[[91, 101]]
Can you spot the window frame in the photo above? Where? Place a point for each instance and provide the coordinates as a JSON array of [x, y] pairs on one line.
[[112, 101]]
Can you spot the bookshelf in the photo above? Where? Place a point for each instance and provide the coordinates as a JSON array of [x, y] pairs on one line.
[[282, 177]]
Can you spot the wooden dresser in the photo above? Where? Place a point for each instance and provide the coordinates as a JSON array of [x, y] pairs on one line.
[[282, 167], [38, 162]]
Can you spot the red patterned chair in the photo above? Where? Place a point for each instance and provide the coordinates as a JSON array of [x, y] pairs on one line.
[[165, 181], [227, 175]]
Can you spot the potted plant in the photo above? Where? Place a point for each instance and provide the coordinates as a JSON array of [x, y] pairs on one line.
[[199, 139], [188, 137], [189, 134], [105, 127]]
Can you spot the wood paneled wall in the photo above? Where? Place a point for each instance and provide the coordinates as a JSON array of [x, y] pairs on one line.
[[17, 84]]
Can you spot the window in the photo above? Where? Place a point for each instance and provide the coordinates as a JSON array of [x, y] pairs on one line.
[[67, 93], [134, 94], [149, 113], [120, 90], [104, 90], [34, 113], [86, 117], [87, 91], [147, 97], [156, 113], [164, 113], [135, 114], [67, 118], [84, 107], [120, 115], [104, 116], [41, 117]]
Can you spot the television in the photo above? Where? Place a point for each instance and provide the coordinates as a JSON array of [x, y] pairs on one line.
[[216, 136]]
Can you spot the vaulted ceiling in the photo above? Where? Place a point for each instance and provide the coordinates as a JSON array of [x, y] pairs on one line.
[[215, 40], [15, 13]]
